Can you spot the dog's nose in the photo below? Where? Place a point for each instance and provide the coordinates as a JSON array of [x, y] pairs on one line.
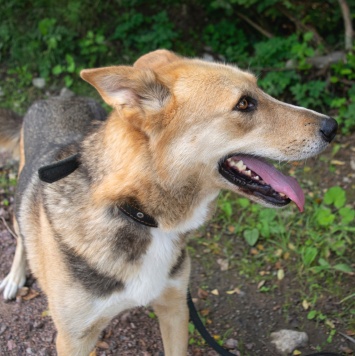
[[328, 129]]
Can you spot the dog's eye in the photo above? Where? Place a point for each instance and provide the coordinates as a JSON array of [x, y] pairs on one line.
[[245, 104]]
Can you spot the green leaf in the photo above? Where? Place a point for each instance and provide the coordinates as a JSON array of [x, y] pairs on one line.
[[322, 262], [71, 63], [68, 81], [227, 208], [347, 214], [244, 203], [308, 36], [310, 253], [346, 71], [152, 315], [325, 217], [191, 328], [343, 267], [264, 228], [335, 195], [58, 69], [251, 236], [334, 79], [46, 25], [312, 314]]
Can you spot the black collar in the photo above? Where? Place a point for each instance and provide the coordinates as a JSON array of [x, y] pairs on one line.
[[61, 169]]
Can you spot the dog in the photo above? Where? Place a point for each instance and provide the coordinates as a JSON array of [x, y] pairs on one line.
[[103, 206]]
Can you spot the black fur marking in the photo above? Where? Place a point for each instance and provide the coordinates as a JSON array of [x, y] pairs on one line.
[[92, 280], [178, 264], [132, 239]]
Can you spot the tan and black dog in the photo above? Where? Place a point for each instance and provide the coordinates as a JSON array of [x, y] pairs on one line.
[[111, 234]]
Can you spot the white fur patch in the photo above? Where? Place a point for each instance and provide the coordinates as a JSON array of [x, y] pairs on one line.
[[153, 277], [198, 216], [151, 280]]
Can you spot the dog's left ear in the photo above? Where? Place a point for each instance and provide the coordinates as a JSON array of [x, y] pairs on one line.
[[123, 86], [156, 59]]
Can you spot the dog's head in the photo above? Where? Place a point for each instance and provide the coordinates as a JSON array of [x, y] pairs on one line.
[[212, 122]]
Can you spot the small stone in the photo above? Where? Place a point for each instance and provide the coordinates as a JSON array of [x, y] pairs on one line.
[[22, 291], [38, 324], [66, 93], [2, 328], [346, 350], [44, 352], [286, 341], [207, 57], [125, 317], [103, 345], [291, 63], [11, 345], [39, 83], [352, 163], [223, 263], [48, 337], [249, 346], [29, 351], [231, 344]]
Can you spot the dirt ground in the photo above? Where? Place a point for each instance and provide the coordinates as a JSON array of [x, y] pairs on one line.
[[247, 317]]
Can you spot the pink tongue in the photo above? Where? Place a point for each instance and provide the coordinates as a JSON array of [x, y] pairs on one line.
[[278, 181]]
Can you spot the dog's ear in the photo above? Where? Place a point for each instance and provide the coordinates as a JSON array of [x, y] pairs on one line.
[[156, 59], [127, 86]]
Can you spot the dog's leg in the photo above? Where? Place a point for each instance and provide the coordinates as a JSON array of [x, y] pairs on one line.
[[172, 311], [173, 316], [83, 344], [79, 319], [17, 276]]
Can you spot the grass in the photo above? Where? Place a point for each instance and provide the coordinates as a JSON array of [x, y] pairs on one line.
[[311, 252]]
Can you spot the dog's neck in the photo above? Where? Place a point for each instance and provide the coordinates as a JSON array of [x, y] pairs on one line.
[[124, 168]]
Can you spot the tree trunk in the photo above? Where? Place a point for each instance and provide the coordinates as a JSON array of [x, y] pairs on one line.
[[349, 32]]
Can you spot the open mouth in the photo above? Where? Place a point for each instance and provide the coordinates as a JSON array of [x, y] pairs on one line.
[[256, 177]]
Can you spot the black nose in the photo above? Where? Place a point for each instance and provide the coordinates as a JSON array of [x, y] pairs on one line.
[[328, 129]]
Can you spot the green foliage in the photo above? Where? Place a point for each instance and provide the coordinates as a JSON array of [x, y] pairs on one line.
[[226, 37], [56, 40], [343, 76], [251, 236], [321, 237], [139, 34]]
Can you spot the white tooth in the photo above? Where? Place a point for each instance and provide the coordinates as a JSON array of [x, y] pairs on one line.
[[232, 164], [248, 173], [241, 166], [257, 177], [282, 194]]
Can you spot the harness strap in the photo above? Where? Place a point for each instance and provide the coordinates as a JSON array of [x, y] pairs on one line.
[[58, 170]]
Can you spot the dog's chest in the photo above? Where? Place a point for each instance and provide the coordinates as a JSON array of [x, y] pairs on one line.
[[152, 277]]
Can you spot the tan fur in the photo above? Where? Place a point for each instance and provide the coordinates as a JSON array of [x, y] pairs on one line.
[[10, 124], [174, 119], [21, 153]]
